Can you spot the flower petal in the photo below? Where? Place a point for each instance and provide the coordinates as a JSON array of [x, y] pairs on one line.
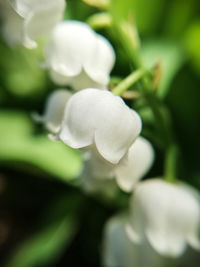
[[12, 23], [97, 167], [41, 20], [69, 47], [80, 117], [25, 20], [135, 164], [169, 215], [166, 241], [78, 82], [118, 251], [54, 110], [118, 131], [99, 65], [82, 57], [96, 116]]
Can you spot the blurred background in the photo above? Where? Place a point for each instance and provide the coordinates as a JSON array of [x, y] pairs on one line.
[[45, 217]]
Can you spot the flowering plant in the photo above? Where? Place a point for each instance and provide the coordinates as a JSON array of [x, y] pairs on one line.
[[94, 101]]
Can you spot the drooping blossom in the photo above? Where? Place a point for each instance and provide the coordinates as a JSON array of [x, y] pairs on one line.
[[119, 251], [167, 215], [97, 117], [78, 57], [98, 172], [54, 110], [25, 20]]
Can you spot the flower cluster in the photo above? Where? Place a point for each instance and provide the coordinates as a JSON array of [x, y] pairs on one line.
[[106, 129], [163, 217]]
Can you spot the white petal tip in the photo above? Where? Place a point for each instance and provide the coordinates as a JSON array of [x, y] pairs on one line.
[[132, 235], [53, 137]]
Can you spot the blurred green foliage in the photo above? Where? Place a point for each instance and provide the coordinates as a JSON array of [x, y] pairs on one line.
[[168, 55], [20, 145], [24, 77]]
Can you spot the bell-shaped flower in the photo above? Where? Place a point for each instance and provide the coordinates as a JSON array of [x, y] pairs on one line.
[[79, 57], [98, 172], [120, 251], [25, 20], [167, 215], [97, 117], [135, 165], [54, 110]]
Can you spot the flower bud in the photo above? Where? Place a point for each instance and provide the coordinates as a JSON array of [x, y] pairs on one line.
[[78, 57], [54, 110], [94, 116], [167, 215], [25, 20], [98, 172]]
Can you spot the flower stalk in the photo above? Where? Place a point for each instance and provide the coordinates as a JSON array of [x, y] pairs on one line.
[[130, 80], [170, 168]]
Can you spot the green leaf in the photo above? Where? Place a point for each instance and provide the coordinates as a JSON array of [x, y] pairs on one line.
[[179, 16], [45, 246], [53, 235], [19, 144], [146, 14], [20, 71], [120, 10], [169, 55], [192, 44]]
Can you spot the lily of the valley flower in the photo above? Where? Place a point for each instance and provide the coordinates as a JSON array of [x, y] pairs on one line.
[[135, 164], [54, 110], [97, 117], [25, 20], [98, 172], [119, 251], [167, 215], [79, 57]]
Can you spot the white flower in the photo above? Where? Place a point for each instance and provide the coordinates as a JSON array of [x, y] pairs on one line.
[[167, 215], [135, 164], [119, 251], [131, 168], [79, 57], [94, 116], [25, 20], [54, 110]]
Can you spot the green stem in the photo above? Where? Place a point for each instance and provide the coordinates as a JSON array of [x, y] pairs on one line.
[[129, 81], [170, 168], [162, 119], [100, 20], [130, 42]]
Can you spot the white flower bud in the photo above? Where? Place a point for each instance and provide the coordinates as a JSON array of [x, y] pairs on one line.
[[94, 116], [25, 20], [130, 169], [135, 164], [79, 57], [119, 251], [54, 110], [167, 215]]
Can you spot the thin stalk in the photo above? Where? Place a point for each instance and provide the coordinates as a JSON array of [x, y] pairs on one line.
[[129, 81], [170, 168], [100, 21]]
